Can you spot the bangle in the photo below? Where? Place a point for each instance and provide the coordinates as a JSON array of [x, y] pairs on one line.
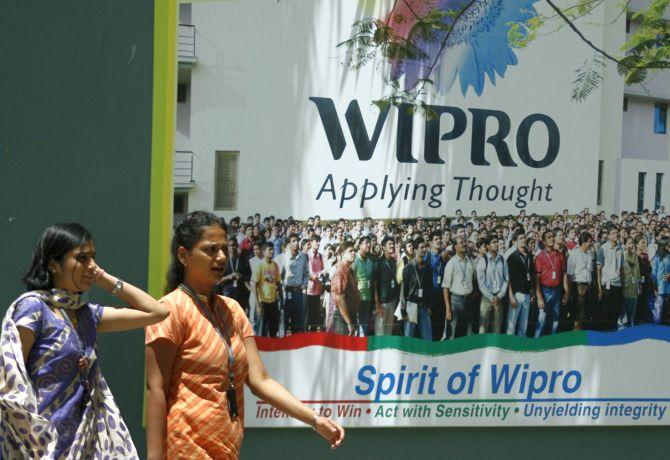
[[313, 424], [117, 287]]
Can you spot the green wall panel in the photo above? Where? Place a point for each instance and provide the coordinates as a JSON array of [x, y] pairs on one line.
[[558, 443], [75, 145]]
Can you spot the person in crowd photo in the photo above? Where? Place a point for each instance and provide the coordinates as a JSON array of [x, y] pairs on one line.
[[660, 275], [646, 285], [267, 283], [417, 283], [632, 279], [294, 268], [551, 287], [363, 269], [609, 272], [344, 295], [435, 260], [235, 282], [520, 287], [315, 319], [386, 289], [457, 286], [492, 278], [580, 264]]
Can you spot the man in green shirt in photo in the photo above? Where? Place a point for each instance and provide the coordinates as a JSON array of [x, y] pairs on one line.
[[363, 269]]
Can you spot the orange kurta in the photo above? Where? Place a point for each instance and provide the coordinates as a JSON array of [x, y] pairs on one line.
[[198, 423]]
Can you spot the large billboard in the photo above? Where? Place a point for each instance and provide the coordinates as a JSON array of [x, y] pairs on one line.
[[501, 132]]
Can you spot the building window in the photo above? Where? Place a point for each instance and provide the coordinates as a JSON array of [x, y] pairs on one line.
[[180, 203], [627, 24], [601, 166], [182, 90], [180, 206], [659, 186], [185, 13], [640, 191], [660, 117], [625, 104], [225, 180]]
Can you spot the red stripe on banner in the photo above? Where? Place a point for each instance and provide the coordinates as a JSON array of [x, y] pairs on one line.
[[324, 339]]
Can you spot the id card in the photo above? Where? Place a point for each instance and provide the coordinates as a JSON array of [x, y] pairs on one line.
[[392, 284], [288, 295], [607, 285], [528, 276], [642, 280], [439, 280], [553, 275], [420, 293], [234, 283]]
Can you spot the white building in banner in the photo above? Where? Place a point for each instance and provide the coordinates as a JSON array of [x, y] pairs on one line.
[[643, 164], [270, 120]]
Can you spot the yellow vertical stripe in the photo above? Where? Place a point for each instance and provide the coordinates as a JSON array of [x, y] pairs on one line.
[[162, 145]]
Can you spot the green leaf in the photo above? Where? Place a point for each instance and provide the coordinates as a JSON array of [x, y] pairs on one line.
[[589, 77]]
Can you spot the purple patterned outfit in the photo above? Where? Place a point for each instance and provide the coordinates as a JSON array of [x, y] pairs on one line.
[[50, 408]]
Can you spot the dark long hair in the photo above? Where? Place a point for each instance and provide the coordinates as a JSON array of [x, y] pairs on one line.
[[55, 242], [186, 234]]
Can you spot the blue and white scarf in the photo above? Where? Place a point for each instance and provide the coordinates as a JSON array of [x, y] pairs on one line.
[[24, 433]]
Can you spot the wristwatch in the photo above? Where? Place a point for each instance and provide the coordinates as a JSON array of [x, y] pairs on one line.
[[117, 287]]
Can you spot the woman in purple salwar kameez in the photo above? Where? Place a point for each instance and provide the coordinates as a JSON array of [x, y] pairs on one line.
[[54, 401]]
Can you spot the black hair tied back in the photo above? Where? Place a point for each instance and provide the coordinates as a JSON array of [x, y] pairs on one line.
[[186, 234]]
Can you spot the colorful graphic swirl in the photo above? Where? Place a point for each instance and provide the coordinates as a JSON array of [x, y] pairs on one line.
[[476, 44]]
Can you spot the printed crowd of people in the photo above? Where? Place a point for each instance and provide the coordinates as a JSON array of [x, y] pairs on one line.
[[438, 279]]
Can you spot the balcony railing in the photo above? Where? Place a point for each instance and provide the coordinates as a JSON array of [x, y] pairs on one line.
[[186, 43], [182, 175]]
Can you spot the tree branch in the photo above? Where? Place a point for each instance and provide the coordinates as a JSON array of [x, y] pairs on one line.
[[443, 45], [588, 4], [581, 35], [395, 2], [624, 8], [416, 16]]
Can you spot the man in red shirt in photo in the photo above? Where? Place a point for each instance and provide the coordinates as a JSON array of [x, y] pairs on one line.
[[550, 269], [344, 293]]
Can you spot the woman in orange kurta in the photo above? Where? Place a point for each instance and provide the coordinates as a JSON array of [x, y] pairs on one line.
[[194, 411]]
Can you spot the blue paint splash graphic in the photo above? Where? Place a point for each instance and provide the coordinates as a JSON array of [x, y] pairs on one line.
[[476, 45]]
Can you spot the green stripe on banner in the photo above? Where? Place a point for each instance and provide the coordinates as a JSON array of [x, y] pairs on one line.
[[505, 342]]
